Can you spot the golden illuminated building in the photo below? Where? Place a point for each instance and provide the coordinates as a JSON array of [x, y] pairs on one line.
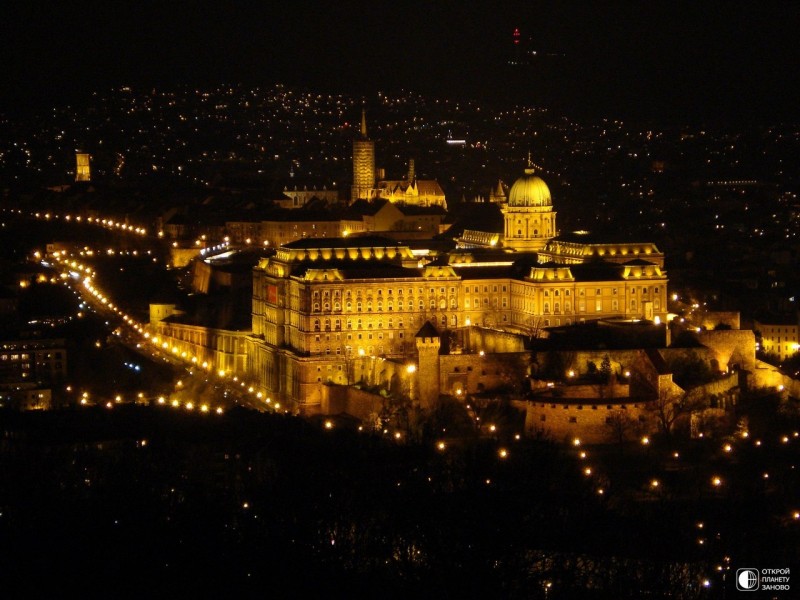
[[82, 167], [363, 163], [320, 304], [779, 337], [343, 309], [529, 218], [412, 191]]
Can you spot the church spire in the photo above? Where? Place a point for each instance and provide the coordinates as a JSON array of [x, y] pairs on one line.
[[364, 122]]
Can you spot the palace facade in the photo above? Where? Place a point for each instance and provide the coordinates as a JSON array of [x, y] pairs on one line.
[[321, 305]]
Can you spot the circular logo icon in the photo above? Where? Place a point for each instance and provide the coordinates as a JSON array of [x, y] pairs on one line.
[[747, 579]]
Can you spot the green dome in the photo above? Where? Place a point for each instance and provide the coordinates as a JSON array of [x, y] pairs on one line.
[[529, 190]]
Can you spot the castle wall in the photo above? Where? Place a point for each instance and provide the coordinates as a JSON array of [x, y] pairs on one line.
[[473, 373], [710, 319], [589, 422], [364, 405], [731, 348]]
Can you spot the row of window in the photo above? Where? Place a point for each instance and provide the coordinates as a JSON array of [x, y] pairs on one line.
[[336, 324], [358, 292], [56, 355], [359, 306]]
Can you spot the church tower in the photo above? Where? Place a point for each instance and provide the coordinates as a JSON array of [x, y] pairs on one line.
[[530, 221], [363, 163]]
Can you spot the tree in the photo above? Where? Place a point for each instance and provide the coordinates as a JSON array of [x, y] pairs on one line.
[[669, 406], [620, 425], [689, 370], [605, 368], [533, 326]]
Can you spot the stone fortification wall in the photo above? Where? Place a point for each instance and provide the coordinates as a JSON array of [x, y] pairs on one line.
[[710, 319], [591, 422], [472, 373], [733, 349]]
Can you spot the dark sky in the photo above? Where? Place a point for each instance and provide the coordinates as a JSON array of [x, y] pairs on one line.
[[736, 60]]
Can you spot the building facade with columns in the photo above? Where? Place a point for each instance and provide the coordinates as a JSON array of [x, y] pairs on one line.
[[322, 305]]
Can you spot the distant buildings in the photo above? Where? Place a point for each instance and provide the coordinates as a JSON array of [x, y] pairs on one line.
[[28, 368], [780, 337], [412, 191]]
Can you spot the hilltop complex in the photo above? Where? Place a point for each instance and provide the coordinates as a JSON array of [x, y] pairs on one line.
[[328, 305]]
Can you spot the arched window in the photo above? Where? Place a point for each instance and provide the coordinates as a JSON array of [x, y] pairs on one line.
[[316, 324]]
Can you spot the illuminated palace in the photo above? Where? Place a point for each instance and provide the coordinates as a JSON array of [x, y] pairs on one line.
[[319, 305]]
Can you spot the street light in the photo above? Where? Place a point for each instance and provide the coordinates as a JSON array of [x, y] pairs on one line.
[[411, 369]]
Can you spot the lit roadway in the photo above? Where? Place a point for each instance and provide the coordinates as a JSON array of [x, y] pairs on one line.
[[132, 333]]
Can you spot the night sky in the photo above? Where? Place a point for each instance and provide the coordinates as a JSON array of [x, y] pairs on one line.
[[659, 60]]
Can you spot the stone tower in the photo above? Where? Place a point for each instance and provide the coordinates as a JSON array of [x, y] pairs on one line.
[[82, 168], [363, 163], [428, 344]]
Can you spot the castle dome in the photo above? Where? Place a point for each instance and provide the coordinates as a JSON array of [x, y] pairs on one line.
[[529, 190]]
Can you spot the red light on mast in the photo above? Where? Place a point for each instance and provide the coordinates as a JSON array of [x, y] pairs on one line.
[[516, 35]]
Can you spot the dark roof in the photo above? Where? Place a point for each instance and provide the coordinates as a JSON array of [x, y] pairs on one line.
[[477, 216], [489, 272], [658, 361], [358, 269], [427, 331], [590, 237], [414, 209], [343, 242], [314, 213], [596, 271], [639, 262], [361, 208]]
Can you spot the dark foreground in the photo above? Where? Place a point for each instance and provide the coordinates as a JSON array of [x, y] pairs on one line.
[[150, 502]]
